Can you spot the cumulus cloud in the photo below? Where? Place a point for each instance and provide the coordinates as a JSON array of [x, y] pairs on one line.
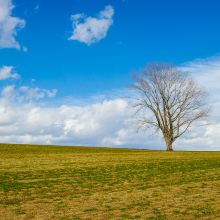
[[21, 93], [9, 25], [36, 93], [26, 93], [64, 124], [105, 121], [7, 72], [90, 30]]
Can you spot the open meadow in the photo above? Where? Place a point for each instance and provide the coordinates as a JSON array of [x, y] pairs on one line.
[[49, 182]]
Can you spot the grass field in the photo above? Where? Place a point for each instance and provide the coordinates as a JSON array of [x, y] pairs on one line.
[[41, 182]]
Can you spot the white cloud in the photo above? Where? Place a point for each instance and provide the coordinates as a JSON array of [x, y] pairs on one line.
[[90, 30], [7, 72], [36, 93], [64, 124], [21, 93], [25, 93], [9, 25], [8, 91]]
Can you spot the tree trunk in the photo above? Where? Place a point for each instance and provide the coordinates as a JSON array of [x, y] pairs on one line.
[[169, 145]]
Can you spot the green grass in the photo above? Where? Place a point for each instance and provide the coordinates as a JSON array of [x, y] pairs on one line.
[[49, 182]]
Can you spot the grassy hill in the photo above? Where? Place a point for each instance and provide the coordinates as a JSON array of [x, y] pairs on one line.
[[42, 182]]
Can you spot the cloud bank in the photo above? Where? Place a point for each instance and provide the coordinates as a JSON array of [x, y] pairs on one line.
[[90, 30], [26, 117], [9, 25]]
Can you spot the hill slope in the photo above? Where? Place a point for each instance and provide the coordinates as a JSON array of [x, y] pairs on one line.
[[42, 182]]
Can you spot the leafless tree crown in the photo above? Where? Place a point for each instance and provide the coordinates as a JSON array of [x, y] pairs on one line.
[[172, 97]]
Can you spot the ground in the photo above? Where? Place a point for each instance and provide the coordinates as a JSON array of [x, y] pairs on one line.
[[42, 182]]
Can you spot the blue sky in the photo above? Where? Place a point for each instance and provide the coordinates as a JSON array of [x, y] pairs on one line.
[[153, 30], [65, 67]]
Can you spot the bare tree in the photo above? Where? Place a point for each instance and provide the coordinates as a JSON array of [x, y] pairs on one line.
[[169, 100]]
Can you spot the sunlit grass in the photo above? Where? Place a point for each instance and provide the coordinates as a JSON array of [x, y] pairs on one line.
[[41, 182]]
